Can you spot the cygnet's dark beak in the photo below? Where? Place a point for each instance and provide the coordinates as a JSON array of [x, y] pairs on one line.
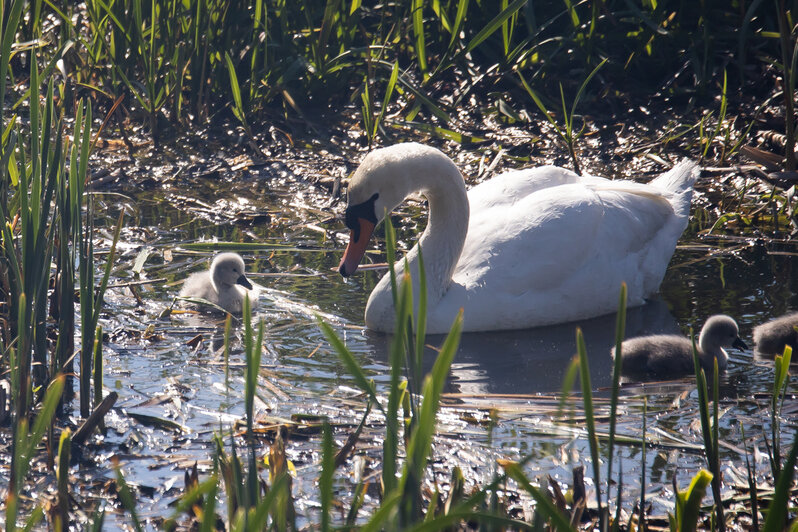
[[739, 344], [243, 281]]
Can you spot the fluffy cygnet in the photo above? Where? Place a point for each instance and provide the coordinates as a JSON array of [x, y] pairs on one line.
[[224, 284], [771, 337], [672, 355]]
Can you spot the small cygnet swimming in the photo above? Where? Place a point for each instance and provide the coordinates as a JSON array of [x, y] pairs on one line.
[[771, 337], [672, 355], [225, 284]]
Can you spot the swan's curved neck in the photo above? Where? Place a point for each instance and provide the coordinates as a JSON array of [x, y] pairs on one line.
[[447, 225]]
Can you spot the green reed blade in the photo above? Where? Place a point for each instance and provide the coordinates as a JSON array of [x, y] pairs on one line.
[[494, 24], [227, 325], [387, 98], [127, 499], [208, 523], [9, 22], [462, 9], [417, 8], [351, 364], [421, 321], [587, 398], [188, 499], [620, 334], [404, 309], [265, 506], [544, 504], [385, 514], [777, 510], [35, 518], [642, 509], [98, 366], [390, 255], [326, 476], [689, 501], [62, 473], [424, 428]]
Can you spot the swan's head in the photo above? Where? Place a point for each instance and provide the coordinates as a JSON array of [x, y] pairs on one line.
[[720, 331], [227, 269], [381, 182]]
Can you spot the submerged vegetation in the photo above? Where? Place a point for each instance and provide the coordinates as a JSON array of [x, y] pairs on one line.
[[468, 72]]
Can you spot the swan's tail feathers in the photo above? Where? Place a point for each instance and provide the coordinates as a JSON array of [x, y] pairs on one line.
[[679, 178], [679, 181]]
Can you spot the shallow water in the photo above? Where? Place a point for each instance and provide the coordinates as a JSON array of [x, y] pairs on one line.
[[150, 363]]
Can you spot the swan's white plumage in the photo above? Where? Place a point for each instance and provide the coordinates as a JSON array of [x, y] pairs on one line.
[[542, 245]]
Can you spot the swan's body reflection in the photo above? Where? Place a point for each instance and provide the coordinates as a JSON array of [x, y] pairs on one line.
[[535, 360]]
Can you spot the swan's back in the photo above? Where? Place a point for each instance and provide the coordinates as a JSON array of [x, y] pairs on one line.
[[547, 246], [772, 336]]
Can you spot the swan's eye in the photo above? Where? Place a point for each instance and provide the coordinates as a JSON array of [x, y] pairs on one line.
[[363, 210]]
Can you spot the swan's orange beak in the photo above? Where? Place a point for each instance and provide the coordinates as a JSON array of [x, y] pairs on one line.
[[358, 240]]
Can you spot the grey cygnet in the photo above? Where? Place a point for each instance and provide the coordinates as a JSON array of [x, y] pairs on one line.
[[224, 284], [771, 337], [672, 356]]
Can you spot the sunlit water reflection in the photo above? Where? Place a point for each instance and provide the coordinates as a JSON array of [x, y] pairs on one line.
[[158, 370]]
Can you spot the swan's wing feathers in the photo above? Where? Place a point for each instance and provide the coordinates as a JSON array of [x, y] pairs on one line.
[[533, 245], [513, 186]]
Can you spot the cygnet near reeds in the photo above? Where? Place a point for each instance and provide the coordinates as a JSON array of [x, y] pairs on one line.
[[672, 355], [771, 337], [224, 284]]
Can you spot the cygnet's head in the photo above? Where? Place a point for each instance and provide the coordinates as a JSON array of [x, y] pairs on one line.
[[720, 331], [227, 269]]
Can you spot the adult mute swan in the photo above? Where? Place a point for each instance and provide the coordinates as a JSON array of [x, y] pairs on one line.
[[527, 248], [669, 355], [225, 284]]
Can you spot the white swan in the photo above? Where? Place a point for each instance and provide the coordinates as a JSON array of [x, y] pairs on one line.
[[527, 248], [225, 284], [670, 355]]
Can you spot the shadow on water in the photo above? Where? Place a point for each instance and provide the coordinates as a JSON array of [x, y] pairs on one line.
[[535, 360]]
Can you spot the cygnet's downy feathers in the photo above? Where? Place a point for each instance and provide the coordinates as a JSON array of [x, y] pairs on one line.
[[771, 337], [672, 355], [225, 284]]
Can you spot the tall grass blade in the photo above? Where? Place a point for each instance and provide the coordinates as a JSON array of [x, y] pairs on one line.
[[127, 499], [777, 511], [64, 446], [418, 31], [25, 444], [587, 398], [326, 477], [688, 502], [544, 505], [421, 322], [491, 27], [780, 379], [424, 428], [620, 334], [98, 366], [8, 31], [351, 364], [709, 430]]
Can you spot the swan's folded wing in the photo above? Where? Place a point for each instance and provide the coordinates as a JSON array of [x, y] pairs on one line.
[[514, 186], [533, 245]]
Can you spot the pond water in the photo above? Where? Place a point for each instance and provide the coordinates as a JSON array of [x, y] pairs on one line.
[[159, 371]]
